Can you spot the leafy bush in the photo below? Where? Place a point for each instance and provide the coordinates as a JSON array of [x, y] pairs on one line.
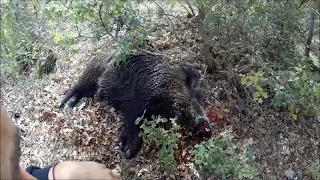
[[17, 35], [297, 89], [314, 170], [268, 37], [283, 28], [28, 30], [27, 26], [255, 79], [165, 139], [118, 20], [220, 157]]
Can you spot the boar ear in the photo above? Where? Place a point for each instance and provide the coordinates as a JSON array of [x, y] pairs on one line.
[[193, 76]]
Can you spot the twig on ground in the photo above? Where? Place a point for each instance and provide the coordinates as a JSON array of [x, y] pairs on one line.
[[257, 105], [111, 155], [37, 85], [36, 142], [190, 7], [229, 96], [156, 54], [185, 7], [240, 69], [149, 10]]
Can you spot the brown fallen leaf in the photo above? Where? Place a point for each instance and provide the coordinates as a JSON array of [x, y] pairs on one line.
[[90, 139], [59, 121], [47, 114], [33, 134]]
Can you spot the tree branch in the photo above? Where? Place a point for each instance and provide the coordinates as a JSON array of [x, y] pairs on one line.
[[48, 1], [185, 7], [100, 16], [190, 7], [310, 34], [104, 25], [152, 53]]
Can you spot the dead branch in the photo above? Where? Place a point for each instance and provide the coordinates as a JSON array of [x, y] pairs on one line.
[[190, 7], [185, 8], [103, 24], [152, 53]]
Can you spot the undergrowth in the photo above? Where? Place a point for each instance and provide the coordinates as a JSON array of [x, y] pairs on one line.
[[166, 140], [221, 158], [296, 89], [314, 170]]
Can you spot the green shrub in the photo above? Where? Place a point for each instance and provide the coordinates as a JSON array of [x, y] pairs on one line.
[[296, 89], [314, 171], [220, 157], [165, 139], [268, 35], [256, 80]]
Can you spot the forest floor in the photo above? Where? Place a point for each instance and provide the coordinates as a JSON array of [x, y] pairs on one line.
[[88, 131]]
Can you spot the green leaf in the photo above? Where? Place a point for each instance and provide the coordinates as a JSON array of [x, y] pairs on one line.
[[243, 80], [256, 95], [173, 3], [56, 38], [251, 2], [294, 116], [264, 94], [97, 36]]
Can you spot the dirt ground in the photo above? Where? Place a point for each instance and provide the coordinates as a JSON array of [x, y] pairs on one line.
[[88, 131]]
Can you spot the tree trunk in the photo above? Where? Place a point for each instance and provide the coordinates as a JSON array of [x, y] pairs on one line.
[[212, 64], [310, 34]]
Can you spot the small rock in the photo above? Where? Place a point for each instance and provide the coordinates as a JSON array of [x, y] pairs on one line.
[[291, 175], [142, 171], [67, 130], [194, 172], [268, 151], [250, 141]]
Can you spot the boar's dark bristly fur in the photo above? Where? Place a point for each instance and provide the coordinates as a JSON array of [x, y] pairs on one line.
[[147, 85], [87, 84]]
